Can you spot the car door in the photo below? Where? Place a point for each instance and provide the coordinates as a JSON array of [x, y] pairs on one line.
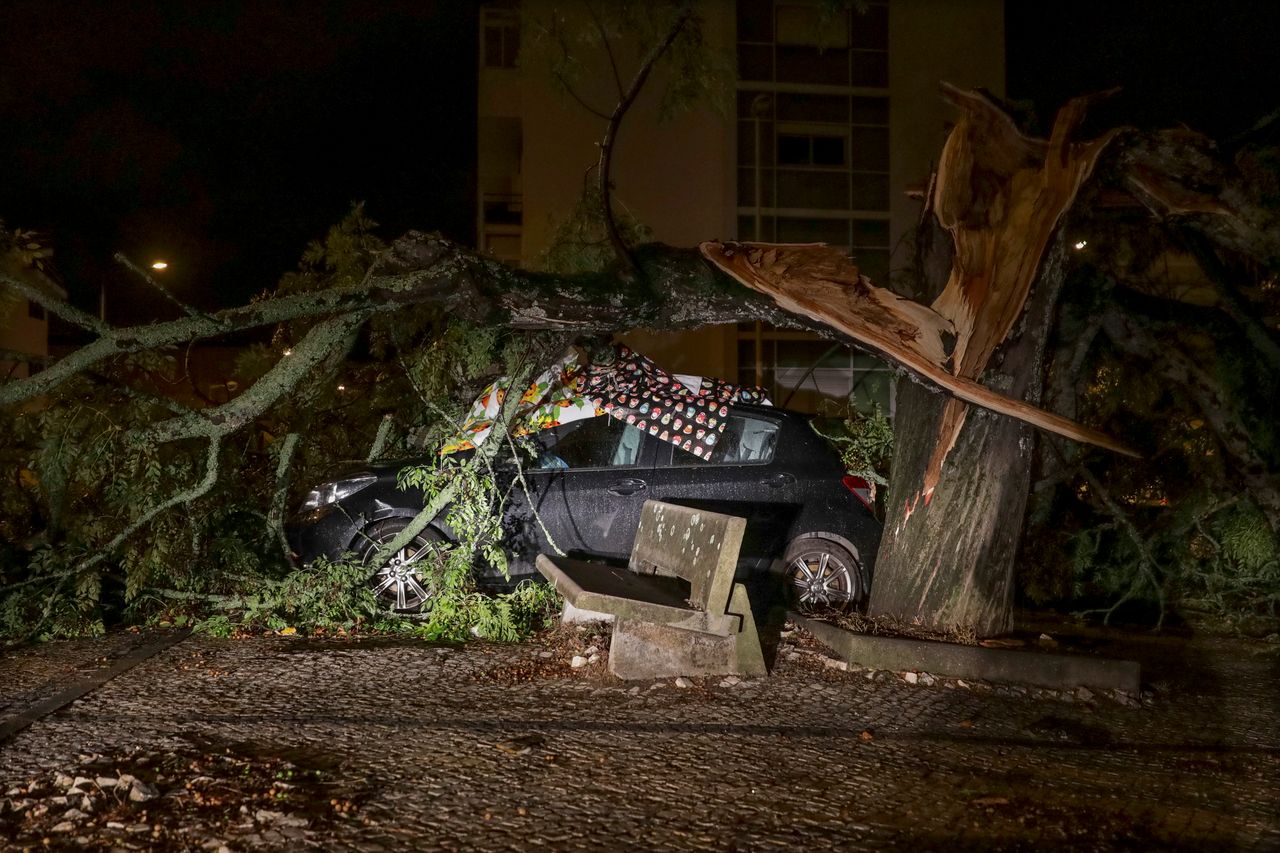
[[596, 482], [747, 476]]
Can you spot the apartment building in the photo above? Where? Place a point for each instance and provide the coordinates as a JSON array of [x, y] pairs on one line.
[[832, 120], [24, 324]]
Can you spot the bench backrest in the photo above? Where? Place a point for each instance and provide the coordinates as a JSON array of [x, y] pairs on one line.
[[699, 546]]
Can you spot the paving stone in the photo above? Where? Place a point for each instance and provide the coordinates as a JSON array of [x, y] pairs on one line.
[[412, 728]]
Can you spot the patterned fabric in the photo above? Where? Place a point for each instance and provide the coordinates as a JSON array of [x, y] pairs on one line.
[[686, 411]]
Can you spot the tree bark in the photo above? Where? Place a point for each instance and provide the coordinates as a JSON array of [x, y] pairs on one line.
[[950, 564], [959, 486]]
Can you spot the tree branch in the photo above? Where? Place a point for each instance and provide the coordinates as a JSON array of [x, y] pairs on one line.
[[608, 46], [155, 285], [275, 516], [54, 305], [607, 143]]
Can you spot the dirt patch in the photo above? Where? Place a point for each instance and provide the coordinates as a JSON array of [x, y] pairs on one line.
[[566, 651], [199, 797]]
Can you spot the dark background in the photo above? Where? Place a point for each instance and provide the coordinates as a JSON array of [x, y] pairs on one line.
[[224, 136]]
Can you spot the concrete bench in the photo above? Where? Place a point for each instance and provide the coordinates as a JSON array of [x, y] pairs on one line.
[[676, 608]]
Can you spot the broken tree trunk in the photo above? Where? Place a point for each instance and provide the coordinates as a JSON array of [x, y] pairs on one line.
[[959, 484]]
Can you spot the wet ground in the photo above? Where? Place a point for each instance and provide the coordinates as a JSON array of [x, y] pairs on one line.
[[276, 743]]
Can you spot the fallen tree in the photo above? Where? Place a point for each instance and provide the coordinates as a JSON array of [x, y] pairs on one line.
[[993, 249]]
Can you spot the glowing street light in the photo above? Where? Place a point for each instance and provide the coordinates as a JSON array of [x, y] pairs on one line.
[[160, 265], [1080, 244]]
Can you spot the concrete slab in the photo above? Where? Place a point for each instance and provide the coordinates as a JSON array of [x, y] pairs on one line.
[[1040, 669], [572, 615]]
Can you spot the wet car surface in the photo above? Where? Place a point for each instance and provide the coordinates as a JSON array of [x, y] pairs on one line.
[[589, 480]]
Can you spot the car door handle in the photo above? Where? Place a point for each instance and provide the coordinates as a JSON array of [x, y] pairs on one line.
[[628, 486], [777, 481]]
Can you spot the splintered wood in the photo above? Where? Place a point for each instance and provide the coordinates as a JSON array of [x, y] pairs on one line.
[[1000, 195]]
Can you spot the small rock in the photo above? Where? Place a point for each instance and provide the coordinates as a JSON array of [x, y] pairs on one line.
[[141, 792], [591, 650], [65, 826], [74, 814], [126, 779], [544, 655], [62, 780], [1084, 694], [1126, 700], [926, 679], [960, 682], [731, 680], [57, 801], [265, 816], [634, 691], [138, 828], [105, 782], [793, 656], [910, 677], [832, 663], [114, 824], [578, 662], [82, 782], [593, 658], [683, 682], [14, 792]]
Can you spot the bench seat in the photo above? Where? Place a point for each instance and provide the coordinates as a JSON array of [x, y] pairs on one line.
[[625, 594], [676, 609]]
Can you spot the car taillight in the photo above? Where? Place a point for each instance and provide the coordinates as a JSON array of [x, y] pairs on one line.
[[860, 488]]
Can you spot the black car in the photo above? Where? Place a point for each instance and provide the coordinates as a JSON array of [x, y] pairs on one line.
[[590, 479]]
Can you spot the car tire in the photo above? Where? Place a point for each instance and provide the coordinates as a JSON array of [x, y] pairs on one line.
[[406, 583], [823, 575]]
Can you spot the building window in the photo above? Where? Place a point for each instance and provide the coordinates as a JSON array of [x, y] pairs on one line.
[[500, 35], [35, 310], [810, 374], [797, 42], [811, 149], [807, 26]]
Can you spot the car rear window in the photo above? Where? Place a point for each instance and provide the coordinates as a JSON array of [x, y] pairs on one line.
[[746, 439], [601, 442]]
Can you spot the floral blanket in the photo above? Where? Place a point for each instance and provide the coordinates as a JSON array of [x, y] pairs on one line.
[[686, 411]]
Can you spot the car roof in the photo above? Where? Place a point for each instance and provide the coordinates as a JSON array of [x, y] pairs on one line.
[[776, 411]]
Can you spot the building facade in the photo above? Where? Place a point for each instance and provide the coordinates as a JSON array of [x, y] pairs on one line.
[[833, 118], [24, 324]]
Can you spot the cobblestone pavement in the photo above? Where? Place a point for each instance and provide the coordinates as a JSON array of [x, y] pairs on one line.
[[507, 747]]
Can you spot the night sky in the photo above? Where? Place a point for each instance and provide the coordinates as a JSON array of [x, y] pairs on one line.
[[224, 136], [1213, 65]]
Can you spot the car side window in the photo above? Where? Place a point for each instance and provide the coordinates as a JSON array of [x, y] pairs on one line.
[[745, 440], [600, 442]]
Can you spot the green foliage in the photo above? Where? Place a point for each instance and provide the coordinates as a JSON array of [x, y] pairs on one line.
[[581, 48], [23, 256], [580, 244], [77, 471], [1179, 529], [502, 618], [865, 442]]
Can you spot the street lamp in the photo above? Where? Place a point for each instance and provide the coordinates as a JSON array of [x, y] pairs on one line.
[[160, 265]]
